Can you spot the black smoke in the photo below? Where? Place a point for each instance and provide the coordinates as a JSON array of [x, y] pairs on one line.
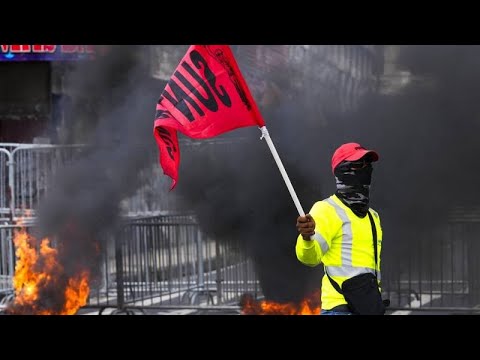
[[427, 138], [239, 195], [84, 203]]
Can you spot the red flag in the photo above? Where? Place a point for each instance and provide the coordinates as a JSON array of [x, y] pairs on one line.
[[205, 97]]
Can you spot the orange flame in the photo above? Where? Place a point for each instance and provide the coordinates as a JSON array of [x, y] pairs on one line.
[[36, 271], [308, 306]]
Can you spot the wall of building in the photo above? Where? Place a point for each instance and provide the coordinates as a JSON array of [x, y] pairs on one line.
[[332, 78], [33, 98], [335, 76], [25, 102]]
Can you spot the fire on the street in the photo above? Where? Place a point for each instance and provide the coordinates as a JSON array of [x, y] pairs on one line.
[[308, 306], [38, 275]]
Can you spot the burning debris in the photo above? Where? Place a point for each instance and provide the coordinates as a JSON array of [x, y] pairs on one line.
[[309, 306], [39, 275]]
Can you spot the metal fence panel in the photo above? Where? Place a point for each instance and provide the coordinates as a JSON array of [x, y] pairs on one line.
[[34, 168], [157, 261], [7, 259], [4, 190], [440, 270], [153, 196], [167, 260], [154, 262]]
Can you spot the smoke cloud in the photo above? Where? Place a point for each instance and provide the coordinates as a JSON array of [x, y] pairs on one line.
[[426, 136], [84, 204], [427, 139]]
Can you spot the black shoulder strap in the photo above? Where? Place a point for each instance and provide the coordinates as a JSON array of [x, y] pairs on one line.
[[334, 283], [374, 235]]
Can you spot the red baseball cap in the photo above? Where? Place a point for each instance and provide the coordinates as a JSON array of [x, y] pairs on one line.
[[351, 152]]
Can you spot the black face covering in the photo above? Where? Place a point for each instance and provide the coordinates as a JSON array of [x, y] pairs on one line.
[[353, 185]]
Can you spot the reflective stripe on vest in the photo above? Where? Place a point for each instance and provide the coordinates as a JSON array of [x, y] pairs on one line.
[[347, 269], [350, 271], [347, 236], [321, 241]]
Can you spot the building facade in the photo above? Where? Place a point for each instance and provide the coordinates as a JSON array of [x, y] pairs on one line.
[[33, 100]]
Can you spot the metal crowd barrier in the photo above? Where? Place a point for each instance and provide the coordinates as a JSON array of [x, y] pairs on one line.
[[4, 189], [26, 171], [167, 261], [7, 259], [33, 169], [153, 197], [439, 270], [157, 262], [25, 174]]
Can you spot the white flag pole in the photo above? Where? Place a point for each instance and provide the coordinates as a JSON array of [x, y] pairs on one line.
[[266, 135]]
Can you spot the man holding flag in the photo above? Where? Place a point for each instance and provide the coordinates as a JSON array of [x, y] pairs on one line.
[[205, 97], [345, 234]]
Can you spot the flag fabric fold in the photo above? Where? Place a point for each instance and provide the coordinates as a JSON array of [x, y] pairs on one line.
[[206, 96]]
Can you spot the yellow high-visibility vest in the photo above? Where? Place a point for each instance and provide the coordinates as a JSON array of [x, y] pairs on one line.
[[343, 242]]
